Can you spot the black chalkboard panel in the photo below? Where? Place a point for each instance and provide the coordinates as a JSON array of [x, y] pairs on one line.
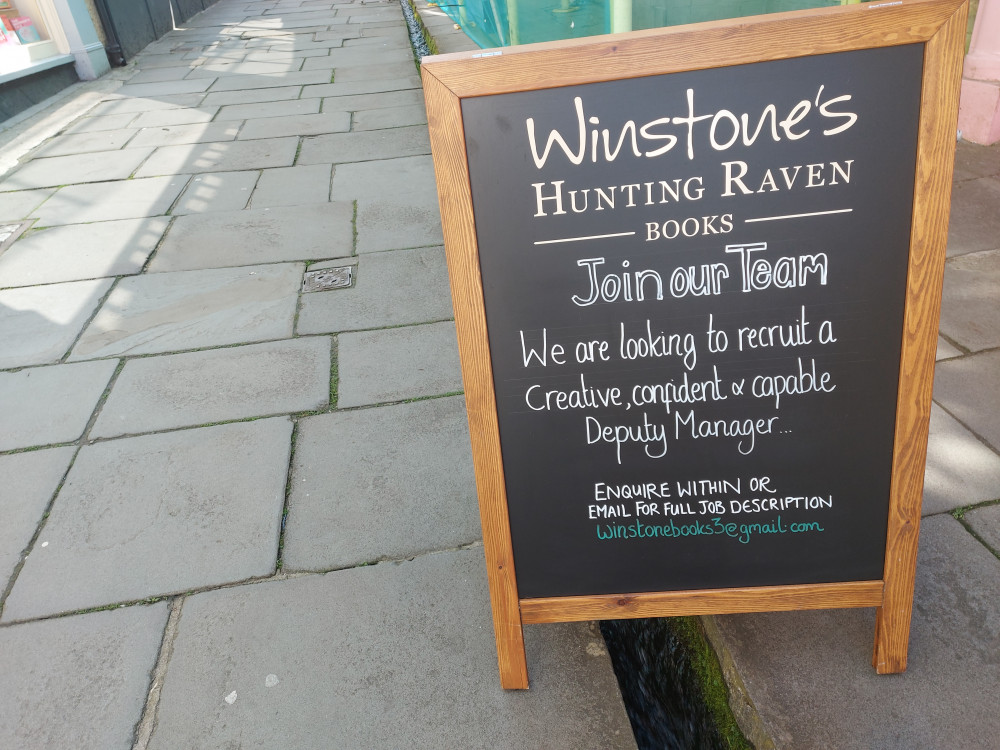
[[694, 290]]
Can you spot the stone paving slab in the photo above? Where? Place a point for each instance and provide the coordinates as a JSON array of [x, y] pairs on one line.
[[159, 514], [452, 40], [68, 170], [398, 221], [27, 483], [970, 312], [301, 78], [411, 648], [161, 118], [253, 95], [161, 88], [381, 11], [293, 186], [975, 221], [283, 16], [164, 312], [341, 37], [393, 364], [297, 125], [122, 104], [148, 61], [371, 41], [100, 122], [435, 19], [945, 350], [376, 179], [281, 108], [171, 135], [161, 73], [48, 405], [243, 238], [39, 324], [266, 55], [790, 661], [392, 289], [378, 70], [232, 67], [362, 25], [972, 161], [343, 58], [78, 682], [392, 31], [960, 469], [358, 88], [107, 201], [81, 251], [357, 102], [275, 31], [365, 146], [217, 385], [968, 388], [390, 117], [401, 484], [220, 157], [986, 522], [22, 203], [217, 191], [281, 42], [81, 143]]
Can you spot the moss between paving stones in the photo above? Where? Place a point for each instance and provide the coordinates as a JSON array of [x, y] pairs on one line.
[[959, 515], [710, 679], [738, 709], [673, 686]]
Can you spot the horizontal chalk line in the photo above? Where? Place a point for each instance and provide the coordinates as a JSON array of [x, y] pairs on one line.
[[581, 239], [799, 216]]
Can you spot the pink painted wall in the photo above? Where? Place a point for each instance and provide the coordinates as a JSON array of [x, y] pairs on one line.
[[979, 112]]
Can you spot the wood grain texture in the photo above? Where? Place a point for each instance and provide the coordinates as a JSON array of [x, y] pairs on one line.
[[943, 56], [696, 46], [444, 116], [704, 602]]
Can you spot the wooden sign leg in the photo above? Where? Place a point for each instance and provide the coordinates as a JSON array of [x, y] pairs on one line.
[[892, 639], [943, 59], [510, 655], [506, 621]]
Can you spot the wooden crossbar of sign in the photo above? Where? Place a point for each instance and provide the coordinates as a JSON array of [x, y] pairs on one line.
[[696, 275]]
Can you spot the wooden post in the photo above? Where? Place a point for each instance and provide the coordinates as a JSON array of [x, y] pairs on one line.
[[932, 191], [455, 198]]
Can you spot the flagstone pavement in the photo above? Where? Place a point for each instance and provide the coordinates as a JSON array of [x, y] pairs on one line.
[[234, 511]]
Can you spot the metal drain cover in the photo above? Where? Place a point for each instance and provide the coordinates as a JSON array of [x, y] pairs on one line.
[[323, 280]]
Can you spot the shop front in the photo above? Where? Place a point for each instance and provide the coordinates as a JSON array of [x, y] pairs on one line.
[[46, 45]]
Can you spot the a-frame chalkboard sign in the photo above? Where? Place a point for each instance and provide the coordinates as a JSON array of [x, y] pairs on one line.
[[696, 274]]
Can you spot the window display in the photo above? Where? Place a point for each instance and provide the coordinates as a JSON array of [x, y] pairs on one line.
[[21, 25], [23, 28]]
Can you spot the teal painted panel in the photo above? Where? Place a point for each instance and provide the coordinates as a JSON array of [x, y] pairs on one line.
[[501, 23]]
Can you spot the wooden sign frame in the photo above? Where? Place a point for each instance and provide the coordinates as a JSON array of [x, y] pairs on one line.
[[448, 79]]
